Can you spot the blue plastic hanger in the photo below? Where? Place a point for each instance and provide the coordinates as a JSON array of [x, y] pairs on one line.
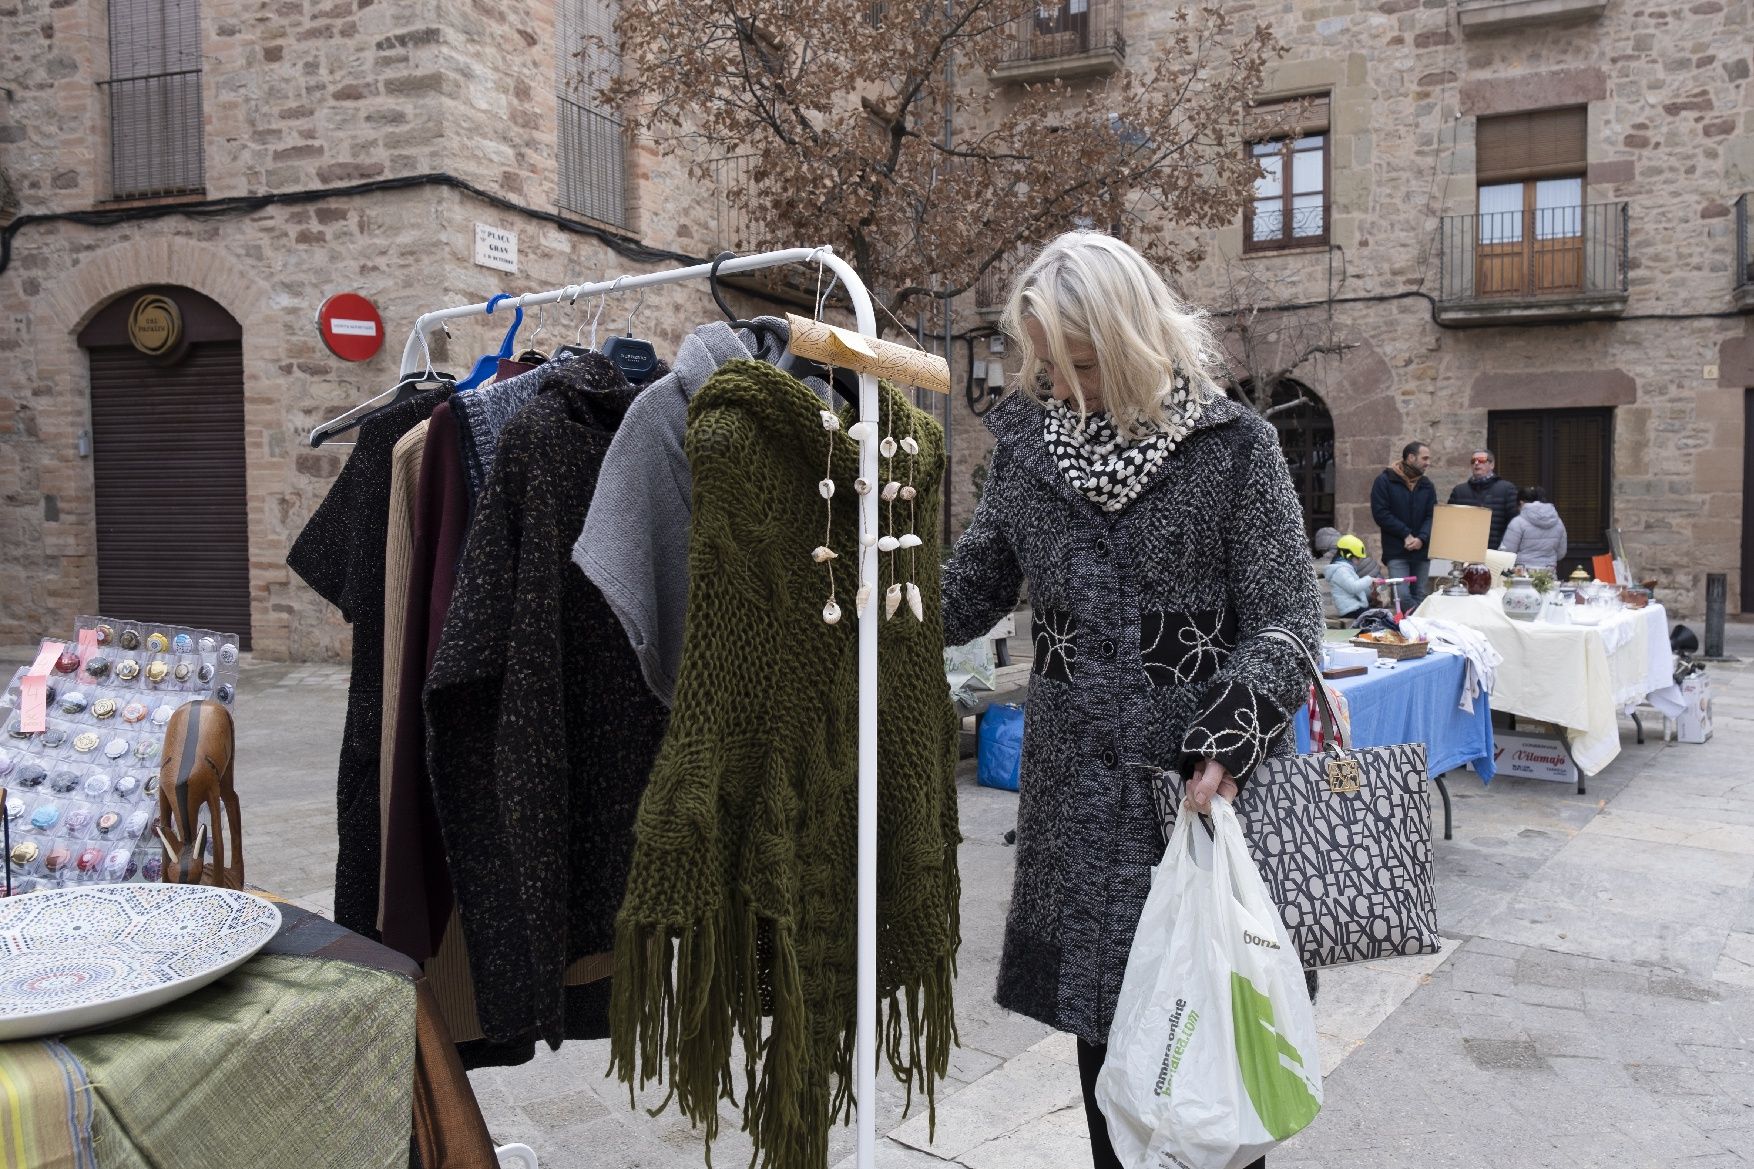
[[488, 364]]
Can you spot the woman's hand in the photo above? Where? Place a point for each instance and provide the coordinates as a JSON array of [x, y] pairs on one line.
[[1209, 777]]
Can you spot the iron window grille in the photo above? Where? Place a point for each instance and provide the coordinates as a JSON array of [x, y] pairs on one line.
[[591, 143], [154, 99]]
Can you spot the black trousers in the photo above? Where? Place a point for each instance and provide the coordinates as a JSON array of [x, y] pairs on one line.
[[1090, 1057]]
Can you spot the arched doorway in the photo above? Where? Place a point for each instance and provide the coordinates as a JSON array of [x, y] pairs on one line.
[[1306, 436], [167, 448]]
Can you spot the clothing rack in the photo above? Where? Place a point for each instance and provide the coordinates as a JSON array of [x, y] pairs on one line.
[[415, 358]]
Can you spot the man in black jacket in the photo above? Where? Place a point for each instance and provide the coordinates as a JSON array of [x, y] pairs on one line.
[[1402, 501], [1485, 489]]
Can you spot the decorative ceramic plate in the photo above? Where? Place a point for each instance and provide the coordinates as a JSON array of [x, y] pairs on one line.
[[76, 958]]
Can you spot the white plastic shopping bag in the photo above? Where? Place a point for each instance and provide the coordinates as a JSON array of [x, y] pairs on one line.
[[1212, 1057]]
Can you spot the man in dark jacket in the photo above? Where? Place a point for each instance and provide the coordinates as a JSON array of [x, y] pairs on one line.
[[1402, 501], [1485, 489]]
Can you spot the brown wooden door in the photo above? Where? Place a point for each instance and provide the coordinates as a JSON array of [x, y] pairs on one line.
[[1530, 238], [168, 466]]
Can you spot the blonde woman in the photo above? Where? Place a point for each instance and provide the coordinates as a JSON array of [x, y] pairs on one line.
[[1157, 526]]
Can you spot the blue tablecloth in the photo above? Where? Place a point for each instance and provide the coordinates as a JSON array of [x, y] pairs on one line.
[[1415, 702]]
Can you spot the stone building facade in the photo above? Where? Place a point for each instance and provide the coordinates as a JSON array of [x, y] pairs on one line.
[[338, 146], [1612, 343]]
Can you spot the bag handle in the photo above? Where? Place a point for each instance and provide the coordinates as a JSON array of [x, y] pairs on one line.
[[1280, 633]]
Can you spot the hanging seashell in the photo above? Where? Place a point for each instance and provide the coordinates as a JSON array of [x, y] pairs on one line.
[[909, 540], [824, 554], [887, 544], [862, 600], [910, 446], [867, 539], [831, 612], [862, 430], [887, 446], [908, 492], [862, 486], [829, 421], [891, 601], [890, 491], [915, 603], [826, 489]]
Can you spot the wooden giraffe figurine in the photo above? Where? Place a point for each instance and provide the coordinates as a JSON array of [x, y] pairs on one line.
[[198, 773]]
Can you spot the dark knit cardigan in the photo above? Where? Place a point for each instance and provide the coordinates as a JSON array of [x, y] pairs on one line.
[[1148, 655], [740, 919], [540, 729], [340, 553]]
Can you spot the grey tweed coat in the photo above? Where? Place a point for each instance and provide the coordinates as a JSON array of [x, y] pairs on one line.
[[1146, 656]]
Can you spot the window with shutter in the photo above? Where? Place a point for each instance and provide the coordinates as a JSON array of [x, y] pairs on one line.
[[154, 96], [1570, 453], [1289, 140], [1530, 169], [592, 146]]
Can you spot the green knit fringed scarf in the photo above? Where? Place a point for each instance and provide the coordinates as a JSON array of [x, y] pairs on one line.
[[740, 920]]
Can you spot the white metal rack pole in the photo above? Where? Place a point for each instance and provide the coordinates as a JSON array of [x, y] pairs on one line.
[[414, 360]]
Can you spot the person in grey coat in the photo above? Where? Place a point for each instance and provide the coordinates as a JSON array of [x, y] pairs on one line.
[[1536, 534], [1157, 526]]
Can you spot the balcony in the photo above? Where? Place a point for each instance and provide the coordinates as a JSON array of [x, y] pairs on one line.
[[733, 173], [1538, 264], [1494, 16], [1744, 293], [1064, 39]]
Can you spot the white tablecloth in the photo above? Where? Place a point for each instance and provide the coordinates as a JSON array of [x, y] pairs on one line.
[[1579, 677]]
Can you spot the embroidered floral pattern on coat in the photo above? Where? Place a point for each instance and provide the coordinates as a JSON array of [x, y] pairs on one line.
[[1056, 644], [1236, 727], [1183, 648]]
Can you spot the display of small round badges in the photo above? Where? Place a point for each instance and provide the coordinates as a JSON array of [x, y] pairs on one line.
[[85, 742], [162, 715], [24, 852], [104, 708], [107, 822], [95, 785], [57, 858], [104, 634], [74, 703], [130, 639], [225, 693], [153, 869], [68, 662], [136, 824], [98, 667], [14, 807], [54, 739], [205, 674], [145, 749], [116, 748], [127, 785], [78, 820], [157, 672], [182, 672], [89, 859], [31, 775], [63, 782], [7, 763], [127, 669], [157, 643], [133, 712]]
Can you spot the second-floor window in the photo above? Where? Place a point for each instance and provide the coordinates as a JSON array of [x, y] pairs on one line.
[[1290, 208], [1529, 172], [154, 98], [591, 145]]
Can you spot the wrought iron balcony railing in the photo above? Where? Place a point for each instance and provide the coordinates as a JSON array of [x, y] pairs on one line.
[[1064, 37], [1537, 262]]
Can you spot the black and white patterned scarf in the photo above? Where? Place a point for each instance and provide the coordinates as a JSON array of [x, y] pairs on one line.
[[1111, 468]]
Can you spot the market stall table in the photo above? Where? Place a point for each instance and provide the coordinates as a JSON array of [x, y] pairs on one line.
[[1417, 701], [324, 1049], [1578, 677]]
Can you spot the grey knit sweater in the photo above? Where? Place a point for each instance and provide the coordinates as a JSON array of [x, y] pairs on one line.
[[634, 545]]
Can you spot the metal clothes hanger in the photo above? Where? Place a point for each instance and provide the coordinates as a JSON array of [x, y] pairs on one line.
[[487, 365], [414, 383], [532, 355], [578, 348], [635, 357]]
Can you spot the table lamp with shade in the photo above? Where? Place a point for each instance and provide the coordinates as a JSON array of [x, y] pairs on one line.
[[1460, 535]]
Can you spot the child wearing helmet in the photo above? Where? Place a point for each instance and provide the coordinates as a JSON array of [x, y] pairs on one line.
[[1350, 588]]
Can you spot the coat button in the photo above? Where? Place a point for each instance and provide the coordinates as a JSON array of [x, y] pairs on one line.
[[1101, 546], [1108, 758], [1108, 649]]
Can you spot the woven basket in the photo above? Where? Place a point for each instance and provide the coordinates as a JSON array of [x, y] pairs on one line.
[[1412, 649]]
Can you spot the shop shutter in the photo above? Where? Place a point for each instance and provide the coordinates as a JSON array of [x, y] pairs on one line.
[[1533, 145], [171, 502]]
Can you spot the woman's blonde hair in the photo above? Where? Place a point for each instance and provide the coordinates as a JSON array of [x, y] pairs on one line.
[[1090, 287]]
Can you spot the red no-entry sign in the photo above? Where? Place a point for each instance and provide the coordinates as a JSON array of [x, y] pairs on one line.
[[350, 326]]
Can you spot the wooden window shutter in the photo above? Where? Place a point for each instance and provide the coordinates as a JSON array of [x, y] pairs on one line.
[[1289, 117], [1533, 145]]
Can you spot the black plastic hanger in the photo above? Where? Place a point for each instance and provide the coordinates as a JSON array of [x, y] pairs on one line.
[[414, 383]]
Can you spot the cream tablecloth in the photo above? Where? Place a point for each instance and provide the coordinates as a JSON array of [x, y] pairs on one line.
[[1579, 677]]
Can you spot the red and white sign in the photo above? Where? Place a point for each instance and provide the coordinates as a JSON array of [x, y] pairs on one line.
[[350, 326]]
